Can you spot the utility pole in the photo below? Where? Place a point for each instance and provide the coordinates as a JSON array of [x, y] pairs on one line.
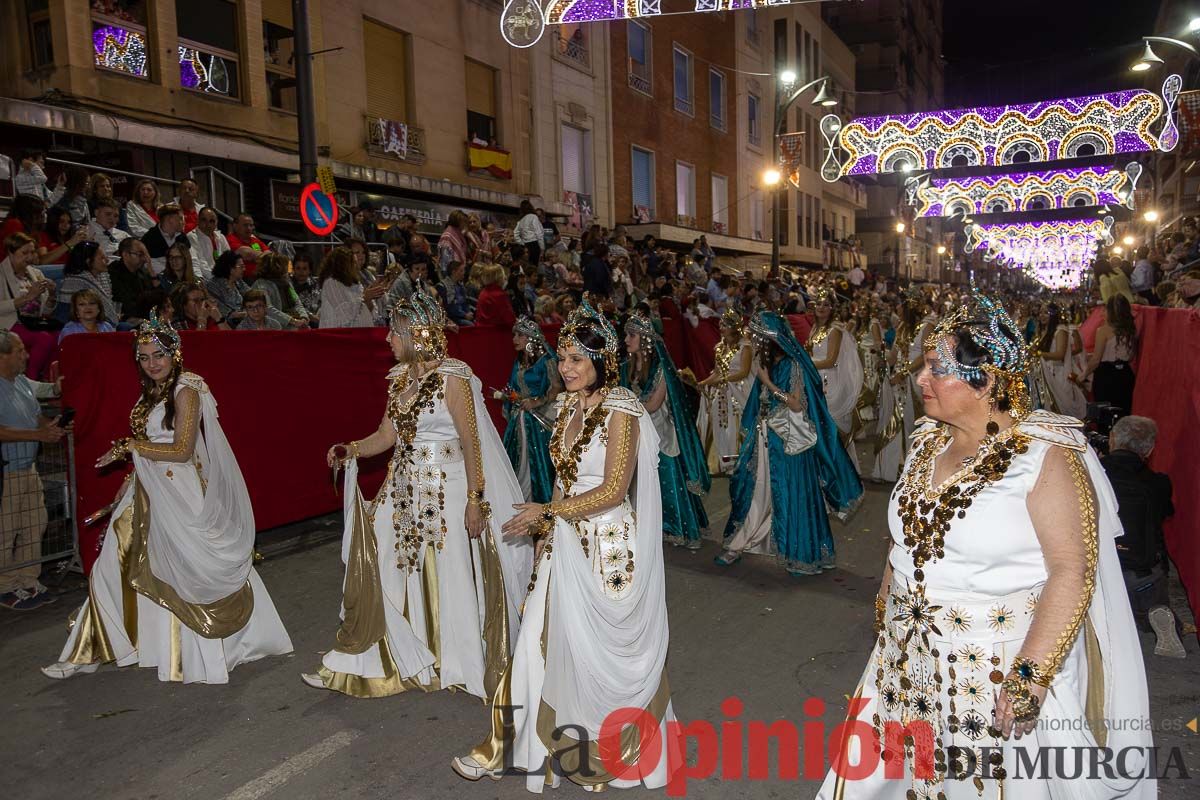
[[306, 107]]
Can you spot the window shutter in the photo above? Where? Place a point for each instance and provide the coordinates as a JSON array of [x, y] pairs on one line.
[[643, 179], [386, 54], [481, 89], [278, 11]]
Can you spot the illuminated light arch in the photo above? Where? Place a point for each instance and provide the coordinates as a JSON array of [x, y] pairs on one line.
[[1038, 129], [1100, 140], [892, 159], [997, 203], [1095, 185], [1033, 199], [955, 149]]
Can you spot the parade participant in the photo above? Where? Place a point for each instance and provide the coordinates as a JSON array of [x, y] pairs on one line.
[[682, 470], [1057, 363], [896, 405], [432, 593], [1002, 618], [835, 355], [528, 404], [174, 586], [594, 636], [725, 390], [869, 335], [792, 465]]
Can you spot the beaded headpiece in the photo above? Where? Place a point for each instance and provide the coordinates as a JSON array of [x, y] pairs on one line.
[[587, 315], [537, 344], [760, 330], [157, 332], [731, 319], [823, 294], [989, 326], [641, 325], [426, 323]]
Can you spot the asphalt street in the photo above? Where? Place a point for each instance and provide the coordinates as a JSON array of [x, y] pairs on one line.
[[749, 632]]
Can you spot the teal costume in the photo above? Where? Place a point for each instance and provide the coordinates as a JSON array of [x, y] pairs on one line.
[[527, 437], [682, 470], [801, 483]]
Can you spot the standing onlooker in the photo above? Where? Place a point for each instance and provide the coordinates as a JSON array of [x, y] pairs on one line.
[[87, 315], [207, 243], [23, 515], [1144, 503], [1112, 279], [103, 228], [255, 305], [479, 241], [187, 201], [550, 235], [307, 288], [452, 245], [226, 287], [283, 303], [529, 232], [344, 301], [1111, 359], [242, 239], [141, 212], [1141, 282], [494, 306], [31, 178], [75, 196], [597, 278], [131, 279], [26, 302], [86, 269], [158, 240]]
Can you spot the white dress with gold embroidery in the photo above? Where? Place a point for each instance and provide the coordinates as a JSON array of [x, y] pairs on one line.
[[183, 535], [441, 607], [720, 418], [842, 382], [594, 633], [982, 597]]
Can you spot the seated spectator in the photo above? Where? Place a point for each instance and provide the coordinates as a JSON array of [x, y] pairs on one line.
[[307, 288], [193, 310], [459, 308], [26, 302], [160, 238], [130, 278], [87, 315], [207, 243], [544, 311], [255, 305], [75, 195], [103, 228], [344, 301], [227, 289], [494, 306], [283, 302], [362, 258], [565, 304], [141, 212], [179, 266], [57, 238], [242, 239], [1144, 503], [86, 269], [100, 189], [156, 303], [187, 201], [27, 216]]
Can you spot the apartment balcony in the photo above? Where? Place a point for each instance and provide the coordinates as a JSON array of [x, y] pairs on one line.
[[398, 140], [574, 51]]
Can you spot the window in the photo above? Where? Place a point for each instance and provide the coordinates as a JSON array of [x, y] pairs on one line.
[[41, 48], [685, 192], [720, 204], [780, 45], [643, 185], [481, 103], [752, 103], [757, 223], [639, 57], [805, 59], [752, 32], [208, 46], [119, 41], [684, 100], [716, 99], [279, 52], [573, 45], [801, 73], [385, 52], [576, 175]]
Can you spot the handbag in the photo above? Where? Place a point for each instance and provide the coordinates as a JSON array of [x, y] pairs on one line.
[[794, 428]]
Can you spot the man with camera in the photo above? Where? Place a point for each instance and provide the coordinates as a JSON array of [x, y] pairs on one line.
[[23, 514], [1144, 499]]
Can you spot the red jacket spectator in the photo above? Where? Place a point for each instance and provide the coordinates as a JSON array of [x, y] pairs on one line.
[[241, 234], [494, 307]]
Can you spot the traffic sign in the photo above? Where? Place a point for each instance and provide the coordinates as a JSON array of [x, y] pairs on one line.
[[318, 210], [325, 178]]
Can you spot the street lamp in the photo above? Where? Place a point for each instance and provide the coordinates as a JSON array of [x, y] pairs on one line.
[[785, 96], [1150, 59], [1194, 25], [1118, 250], [1128, 241], [1150, 216], [941, 250], [899, 227]]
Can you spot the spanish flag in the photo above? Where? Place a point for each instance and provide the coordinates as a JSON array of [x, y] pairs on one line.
[[493, 160]]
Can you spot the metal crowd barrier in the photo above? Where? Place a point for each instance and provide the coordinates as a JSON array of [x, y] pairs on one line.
[[27, 539]]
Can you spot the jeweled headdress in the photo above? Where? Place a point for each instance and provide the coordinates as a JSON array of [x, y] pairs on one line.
[[641, 325], [157, 332], [537, 345], [426, 323], [823, 294], [587, 315], [732, 319], [990, 327], [760, 330]]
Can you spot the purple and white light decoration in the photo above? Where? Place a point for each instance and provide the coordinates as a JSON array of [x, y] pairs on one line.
[[1023, 191], [1076, 127], [120, 49], [1055, 253], [203, 72]]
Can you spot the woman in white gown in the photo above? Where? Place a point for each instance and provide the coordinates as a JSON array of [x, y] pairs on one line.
[[1005, 636], [868, 333], [725, 391], [431, 594], [594, 636], [835, 355], [174, 587], [1058, 360], [898, 394]]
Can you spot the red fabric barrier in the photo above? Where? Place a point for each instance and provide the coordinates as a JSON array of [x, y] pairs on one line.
[[284, 398]]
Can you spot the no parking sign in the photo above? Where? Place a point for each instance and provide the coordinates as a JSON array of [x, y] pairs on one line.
[[318, 210]]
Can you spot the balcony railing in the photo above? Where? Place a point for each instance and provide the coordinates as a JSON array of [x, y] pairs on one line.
[[685, 105], [640, 82], [576, 51], [387, 137]]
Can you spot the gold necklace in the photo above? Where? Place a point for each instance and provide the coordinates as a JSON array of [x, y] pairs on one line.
[[566, 462], [818, 336]]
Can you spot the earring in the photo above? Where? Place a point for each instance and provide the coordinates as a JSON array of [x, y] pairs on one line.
[[992, 428]]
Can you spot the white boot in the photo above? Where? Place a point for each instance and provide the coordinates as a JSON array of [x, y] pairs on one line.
[[313, 680], [61, 670], [469, 768]]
